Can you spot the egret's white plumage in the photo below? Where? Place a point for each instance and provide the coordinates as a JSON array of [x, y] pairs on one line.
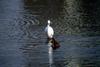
[[49, 30]]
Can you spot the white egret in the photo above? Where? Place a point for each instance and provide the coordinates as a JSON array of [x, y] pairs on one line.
[[50, 35], [49, 30]]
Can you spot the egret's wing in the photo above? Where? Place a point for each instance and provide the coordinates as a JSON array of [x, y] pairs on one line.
[[51, 31]]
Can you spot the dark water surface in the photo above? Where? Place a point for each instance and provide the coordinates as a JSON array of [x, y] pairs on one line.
[[76, 24]]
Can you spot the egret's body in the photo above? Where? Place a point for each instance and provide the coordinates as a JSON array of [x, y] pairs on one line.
[[49, 30]]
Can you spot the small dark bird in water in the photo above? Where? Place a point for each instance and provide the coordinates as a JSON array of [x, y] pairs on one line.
[[50, 32], [55, 44]]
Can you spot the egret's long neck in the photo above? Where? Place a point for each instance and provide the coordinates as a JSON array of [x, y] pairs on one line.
[[48, 24]]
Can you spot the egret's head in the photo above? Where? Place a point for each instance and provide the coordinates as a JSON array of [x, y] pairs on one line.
[[49, 22]]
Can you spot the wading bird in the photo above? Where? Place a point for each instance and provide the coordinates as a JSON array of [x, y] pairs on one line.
[[50, 36]]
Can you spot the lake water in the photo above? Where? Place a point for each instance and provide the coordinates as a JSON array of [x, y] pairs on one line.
[[23, 41]]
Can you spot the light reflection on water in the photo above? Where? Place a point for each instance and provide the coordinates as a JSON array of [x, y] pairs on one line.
[[50, 51], [22, 38]]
